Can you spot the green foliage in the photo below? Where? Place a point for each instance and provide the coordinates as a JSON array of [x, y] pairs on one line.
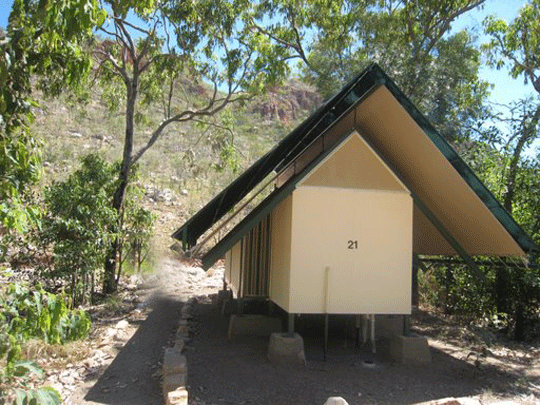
[[43, 41], [453, 289], [335, 39], [33, 313], [78, 223], [41, 396], [137, 228], [516, 44]]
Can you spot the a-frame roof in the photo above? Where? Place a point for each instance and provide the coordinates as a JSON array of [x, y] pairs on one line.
[[454, 212]]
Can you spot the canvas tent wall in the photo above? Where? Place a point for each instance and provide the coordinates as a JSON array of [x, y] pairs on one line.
[[452, 211], [340, 243]]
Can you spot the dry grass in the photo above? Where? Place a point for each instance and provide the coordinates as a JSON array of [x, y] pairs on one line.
[[55, 356]]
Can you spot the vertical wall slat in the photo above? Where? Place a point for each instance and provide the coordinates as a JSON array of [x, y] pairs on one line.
[[255, 261]]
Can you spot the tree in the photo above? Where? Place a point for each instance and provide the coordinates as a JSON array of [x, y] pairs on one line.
[[516, 45], [335, 39], [150, 47], [43, 41]]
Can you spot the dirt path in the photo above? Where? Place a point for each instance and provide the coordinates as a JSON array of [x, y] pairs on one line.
[[133, 378], [134, 349]]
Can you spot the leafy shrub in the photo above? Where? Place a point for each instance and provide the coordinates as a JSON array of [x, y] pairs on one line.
[[78, 221], [508, 296], [80, 224], [33, 313], [136, 234]]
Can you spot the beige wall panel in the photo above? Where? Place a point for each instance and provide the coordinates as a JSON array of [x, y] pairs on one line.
[[280, 261], [232, 267], [364, 238], [353, 164], [390, 129], [427, 240], [333, 135]]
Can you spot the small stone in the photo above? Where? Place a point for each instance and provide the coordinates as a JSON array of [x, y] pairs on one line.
[[336, 401], [285, 349], [172, 382], [179, 345], [174, 361], [177, 397], [123, 324]]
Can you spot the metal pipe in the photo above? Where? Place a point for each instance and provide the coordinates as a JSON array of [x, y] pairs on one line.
[[326, 292], [326, 304], [325, 350]]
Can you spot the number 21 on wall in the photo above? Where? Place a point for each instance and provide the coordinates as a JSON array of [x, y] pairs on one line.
[[352, 244]]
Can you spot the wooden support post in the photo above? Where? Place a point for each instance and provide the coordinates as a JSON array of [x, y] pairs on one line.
[[414, 290], [290, 326], [373, 346], [406, 325], [358, 325]]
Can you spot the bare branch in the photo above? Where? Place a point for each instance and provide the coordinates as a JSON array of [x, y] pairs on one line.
[[118, 70], [187, 115], [135, 27], [127, 37], [445, 24]]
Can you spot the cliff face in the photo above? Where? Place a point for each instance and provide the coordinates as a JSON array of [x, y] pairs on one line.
[[287, 102]]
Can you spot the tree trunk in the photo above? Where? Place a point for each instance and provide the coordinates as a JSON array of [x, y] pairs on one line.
[[519, 333], [449, 281], [414, 291], [110, 283]]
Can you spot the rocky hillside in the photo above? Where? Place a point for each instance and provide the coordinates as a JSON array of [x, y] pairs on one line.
[[182, 171]]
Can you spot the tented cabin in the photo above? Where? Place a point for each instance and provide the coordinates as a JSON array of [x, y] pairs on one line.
[[360, 188], [340, 243]]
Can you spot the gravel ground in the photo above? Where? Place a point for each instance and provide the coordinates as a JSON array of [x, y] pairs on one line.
[[223, 371]]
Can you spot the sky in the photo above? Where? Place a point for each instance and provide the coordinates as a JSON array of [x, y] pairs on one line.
[[505, 88]]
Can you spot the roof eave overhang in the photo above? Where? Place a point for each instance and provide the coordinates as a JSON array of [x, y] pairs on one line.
[[351, 96]]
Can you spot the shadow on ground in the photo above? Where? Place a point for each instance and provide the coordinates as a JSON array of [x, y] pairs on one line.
[[238, 372], [133, 376]]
